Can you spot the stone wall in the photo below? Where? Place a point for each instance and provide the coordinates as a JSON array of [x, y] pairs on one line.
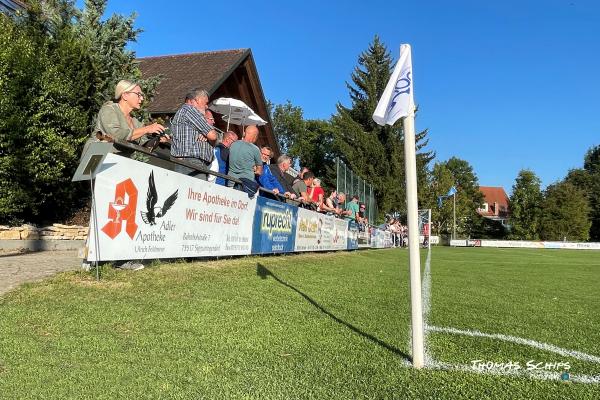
[[52, 232]]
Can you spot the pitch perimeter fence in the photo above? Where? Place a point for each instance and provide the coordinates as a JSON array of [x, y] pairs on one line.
[[352, 184], [143, 211]]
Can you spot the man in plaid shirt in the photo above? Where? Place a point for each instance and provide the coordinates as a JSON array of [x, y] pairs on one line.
[[192, 135]]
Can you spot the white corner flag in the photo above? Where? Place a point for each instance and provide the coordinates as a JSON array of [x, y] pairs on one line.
[[397, 99], [397, 102]]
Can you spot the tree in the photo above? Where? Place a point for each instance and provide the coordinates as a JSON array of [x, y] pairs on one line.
[[591, 162], [589, 183], [442, 213], [315, 150], [468, 197], [588, 180], [106, 41], [307, 142], [525, 206], [288, 125], [458, 173], [46, 116], [373, 152], [565, 213], [58, 64]]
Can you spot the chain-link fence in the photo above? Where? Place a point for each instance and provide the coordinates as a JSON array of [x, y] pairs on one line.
[[351, 184]]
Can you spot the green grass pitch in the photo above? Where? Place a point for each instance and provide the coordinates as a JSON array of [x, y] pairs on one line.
[[312, 326]]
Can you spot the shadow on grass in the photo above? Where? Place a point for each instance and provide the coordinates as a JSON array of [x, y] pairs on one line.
[[264, 273]]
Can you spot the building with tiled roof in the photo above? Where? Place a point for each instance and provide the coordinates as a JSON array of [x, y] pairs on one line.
[[227, 73], [495, 204]]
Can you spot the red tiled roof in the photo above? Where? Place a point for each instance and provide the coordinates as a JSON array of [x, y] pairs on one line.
[[182, 72], [493, 195]]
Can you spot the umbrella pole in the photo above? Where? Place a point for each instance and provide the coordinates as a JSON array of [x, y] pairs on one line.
[[229, 117]]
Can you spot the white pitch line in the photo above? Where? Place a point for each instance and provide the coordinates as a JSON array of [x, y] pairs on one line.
[[431, 363], [426, 305], [514, 339], [426, 288], [426, 301]]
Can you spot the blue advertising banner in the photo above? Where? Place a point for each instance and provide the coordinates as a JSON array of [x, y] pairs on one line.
[[274, 229], [352, 235]]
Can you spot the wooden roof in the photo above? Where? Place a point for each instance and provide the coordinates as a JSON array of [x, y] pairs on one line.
[[227, 73]]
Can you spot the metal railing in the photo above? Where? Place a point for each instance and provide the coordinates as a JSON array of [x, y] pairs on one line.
[[351, 184]]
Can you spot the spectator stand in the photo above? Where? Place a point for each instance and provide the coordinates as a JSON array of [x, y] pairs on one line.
[[149, 212]]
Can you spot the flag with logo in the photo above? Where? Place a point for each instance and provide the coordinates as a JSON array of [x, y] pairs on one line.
[[397, 99], [450, 193]]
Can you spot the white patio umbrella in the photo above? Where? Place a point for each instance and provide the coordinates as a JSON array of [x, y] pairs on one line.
[[233, 108], [252, 119]]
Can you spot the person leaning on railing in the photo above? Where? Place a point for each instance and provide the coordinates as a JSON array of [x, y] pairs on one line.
[[316, 193], [245, 162], [193, 136], [301, 189], [222, 155], [115, 122], [330, 205], [361, 217], [267, 180], [279, 171]]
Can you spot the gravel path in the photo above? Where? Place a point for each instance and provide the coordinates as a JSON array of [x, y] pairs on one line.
[[18, 268]]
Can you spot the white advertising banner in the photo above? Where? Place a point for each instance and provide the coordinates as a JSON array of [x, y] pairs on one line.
[[572, 245], [432, 239], [524, 244], [312, 232], [146, 212], [320, 232], [507, 243], [378, 238], [339, 239]]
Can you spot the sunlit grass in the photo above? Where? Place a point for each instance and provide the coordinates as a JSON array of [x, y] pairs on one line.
[[331, 325]]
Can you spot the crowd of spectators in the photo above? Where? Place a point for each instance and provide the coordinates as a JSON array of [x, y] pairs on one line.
[[193, 138], [398, 231]]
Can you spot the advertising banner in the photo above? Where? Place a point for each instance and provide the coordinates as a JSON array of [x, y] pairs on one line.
[[377, 238], [274, 228], [319, 232], [352, 239], [146, 212], [381, 239], [388, 239], [364, 238], [572, 245], [525, 244], [312, 232], [510, 243], [339, 240]]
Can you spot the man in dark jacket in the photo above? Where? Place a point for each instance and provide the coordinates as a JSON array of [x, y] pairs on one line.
[[283, 164]]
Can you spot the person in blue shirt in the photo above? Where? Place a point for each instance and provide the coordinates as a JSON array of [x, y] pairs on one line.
[[267, 180], [222, 155]]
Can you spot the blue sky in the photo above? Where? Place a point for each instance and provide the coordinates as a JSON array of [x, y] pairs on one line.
[[504, 85]]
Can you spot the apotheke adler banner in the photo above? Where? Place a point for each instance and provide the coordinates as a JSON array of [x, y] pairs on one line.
[[146, 212]]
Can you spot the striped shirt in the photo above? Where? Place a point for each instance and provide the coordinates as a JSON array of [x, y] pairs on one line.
[[186, 126]]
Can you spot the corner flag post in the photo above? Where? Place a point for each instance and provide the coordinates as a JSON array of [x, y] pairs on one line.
[[395, 103]]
